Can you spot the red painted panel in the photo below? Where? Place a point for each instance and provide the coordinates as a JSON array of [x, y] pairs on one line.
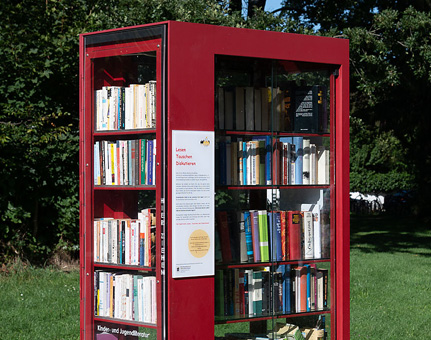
[[190, 107]]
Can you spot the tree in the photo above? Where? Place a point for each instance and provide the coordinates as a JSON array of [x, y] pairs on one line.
[[391, 84], [38, 126], [39, 107]]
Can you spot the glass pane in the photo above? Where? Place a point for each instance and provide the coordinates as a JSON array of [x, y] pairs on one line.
[[123, 70], [273, 208]]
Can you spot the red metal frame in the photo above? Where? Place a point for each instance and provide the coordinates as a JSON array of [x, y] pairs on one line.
[[191, 50], [119, 201]]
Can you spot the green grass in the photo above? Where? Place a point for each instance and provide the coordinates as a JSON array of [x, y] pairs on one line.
[[39, 304], [390, 279], [390, 288]]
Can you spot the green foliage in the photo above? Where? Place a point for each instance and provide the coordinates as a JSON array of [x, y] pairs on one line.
[[128, 13], [390, 82], [378, 160], [38, 126], [390, 86], [39, 204]]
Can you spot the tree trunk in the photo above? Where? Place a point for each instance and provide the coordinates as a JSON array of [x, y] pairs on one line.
[[35, 218]]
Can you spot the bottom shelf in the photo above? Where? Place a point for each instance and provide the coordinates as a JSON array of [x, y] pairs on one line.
[[234, 319], [298, 327]]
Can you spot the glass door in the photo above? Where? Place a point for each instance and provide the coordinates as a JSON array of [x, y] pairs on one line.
[[123, 125]]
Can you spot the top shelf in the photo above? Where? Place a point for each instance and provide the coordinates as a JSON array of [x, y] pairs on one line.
[[273, 133]]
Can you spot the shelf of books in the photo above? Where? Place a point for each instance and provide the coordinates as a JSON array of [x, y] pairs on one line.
[[121, 122], [214, 184]]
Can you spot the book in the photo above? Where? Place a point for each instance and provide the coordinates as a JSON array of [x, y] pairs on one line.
[[239, 108], [313, 164], [263, 235], [308, 234], [248, 235], [323, 165], [243, 253], [257, 109], [294, 222], [254, 219], [284, 236], [298, 159], [143, 159], [265, 99], [317, 233], [257, 292], [229, 109], [310, 109], [219, 293], [276, 236], [249, 109], [302, 288], [306, 161]]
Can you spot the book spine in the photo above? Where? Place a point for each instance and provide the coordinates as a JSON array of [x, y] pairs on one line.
[[150, 162], [278, 237], [308, 235], [299, 154], [263, 235], [294, 219], [255, 234], [240, 163], [306, 162], [248, 236]]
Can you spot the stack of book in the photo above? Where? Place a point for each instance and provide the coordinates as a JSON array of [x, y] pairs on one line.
[[272, 161], [125, 296], [258, 291], [257, 236], [126, 241], [125, 162], [125, 108]]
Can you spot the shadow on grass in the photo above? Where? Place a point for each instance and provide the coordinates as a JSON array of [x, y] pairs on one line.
[[390, 234]]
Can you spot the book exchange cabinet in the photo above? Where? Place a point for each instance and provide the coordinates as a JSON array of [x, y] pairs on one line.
[[214, 184]]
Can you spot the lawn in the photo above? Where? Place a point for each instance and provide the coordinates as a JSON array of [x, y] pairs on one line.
[[39, 303], [390, 279], [390, 288]]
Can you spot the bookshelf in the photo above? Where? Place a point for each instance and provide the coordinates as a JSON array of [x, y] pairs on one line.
[[213, 183]]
